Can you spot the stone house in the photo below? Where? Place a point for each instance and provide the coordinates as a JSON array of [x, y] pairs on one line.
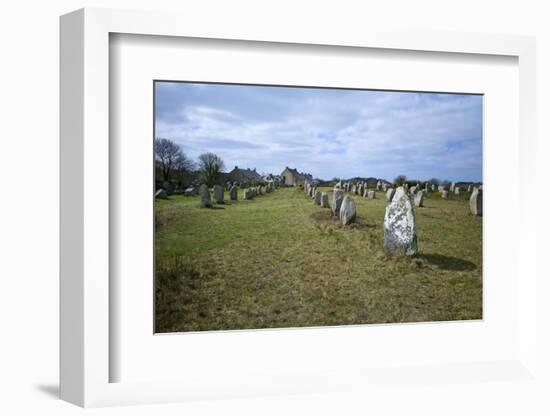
[[291, 177]]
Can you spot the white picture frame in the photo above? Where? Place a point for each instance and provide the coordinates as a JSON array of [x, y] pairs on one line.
[[85, 212]]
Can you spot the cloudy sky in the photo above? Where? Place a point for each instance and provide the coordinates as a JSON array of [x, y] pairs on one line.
[[326, 132]]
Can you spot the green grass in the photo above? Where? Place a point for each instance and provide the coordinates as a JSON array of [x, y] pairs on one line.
[[281, 261]]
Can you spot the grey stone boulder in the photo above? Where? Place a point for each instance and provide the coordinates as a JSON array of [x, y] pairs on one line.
[[400, 225], [371, 195], [389, 194], [337, 198], [324, 200], [476, 202], [444, 194], [206, 202], [348, 212], [161, 194]]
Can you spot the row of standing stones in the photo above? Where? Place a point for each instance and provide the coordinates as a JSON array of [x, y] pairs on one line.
[[399, 218], [218, 191]]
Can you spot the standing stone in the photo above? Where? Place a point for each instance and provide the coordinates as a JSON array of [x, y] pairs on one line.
[[317, 198], [218, 194], [457, 190], [206, 202], [441, 188], [406, 187], [419, 199], [389, 194], [360, 189], [348, 211], [384, 187], [354, 189], [338, 185], [412, 190], [400, 225], [366, 192], [452, 189], [371, 195], [378, 185], [337, 197], [433, 187], [161, 194], [324, 200], [233, 193], [476, 202], [444, 194]]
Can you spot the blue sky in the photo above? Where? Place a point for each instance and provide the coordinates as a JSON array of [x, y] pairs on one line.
[[326, 132]]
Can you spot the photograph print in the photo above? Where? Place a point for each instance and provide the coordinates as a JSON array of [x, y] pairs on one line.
[[292, 207]]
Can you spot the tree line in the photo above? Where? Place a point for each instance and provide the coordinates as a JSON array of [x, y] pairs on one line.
[[171, 161]]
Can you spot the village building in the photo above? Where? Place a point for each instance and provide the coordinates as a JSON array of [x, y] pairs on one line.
[[244, 175], [291, 177]]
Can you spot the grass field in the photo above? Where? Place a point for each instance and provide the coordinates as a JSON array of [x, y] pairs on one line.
[[281, 261]]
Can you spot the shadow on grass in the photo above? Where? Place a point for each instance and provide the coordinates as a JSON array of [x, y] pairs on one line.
[[448, 262]]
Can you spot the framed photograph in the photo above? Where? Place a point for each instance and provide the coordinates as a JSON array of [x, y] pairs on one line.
[[271, 212]]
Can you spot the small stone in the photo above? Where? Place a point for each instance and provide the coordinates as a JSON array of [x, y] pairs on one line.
[[206, 202], [348, 211], [324, 200], [400, 225], [218, 194], [337, 198], [190, 191], [476, 202], [419, 199], [371, 195], [317, 198], [233, 193], [161, 194]]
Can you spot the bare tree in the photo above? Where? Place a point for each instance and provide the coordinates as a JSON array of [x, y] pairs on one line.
[[400, 180], [169, 155], [211, 166]]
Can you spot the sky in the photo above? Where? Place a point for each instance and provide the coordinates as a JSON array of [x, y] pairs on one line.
[[330, 133]]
